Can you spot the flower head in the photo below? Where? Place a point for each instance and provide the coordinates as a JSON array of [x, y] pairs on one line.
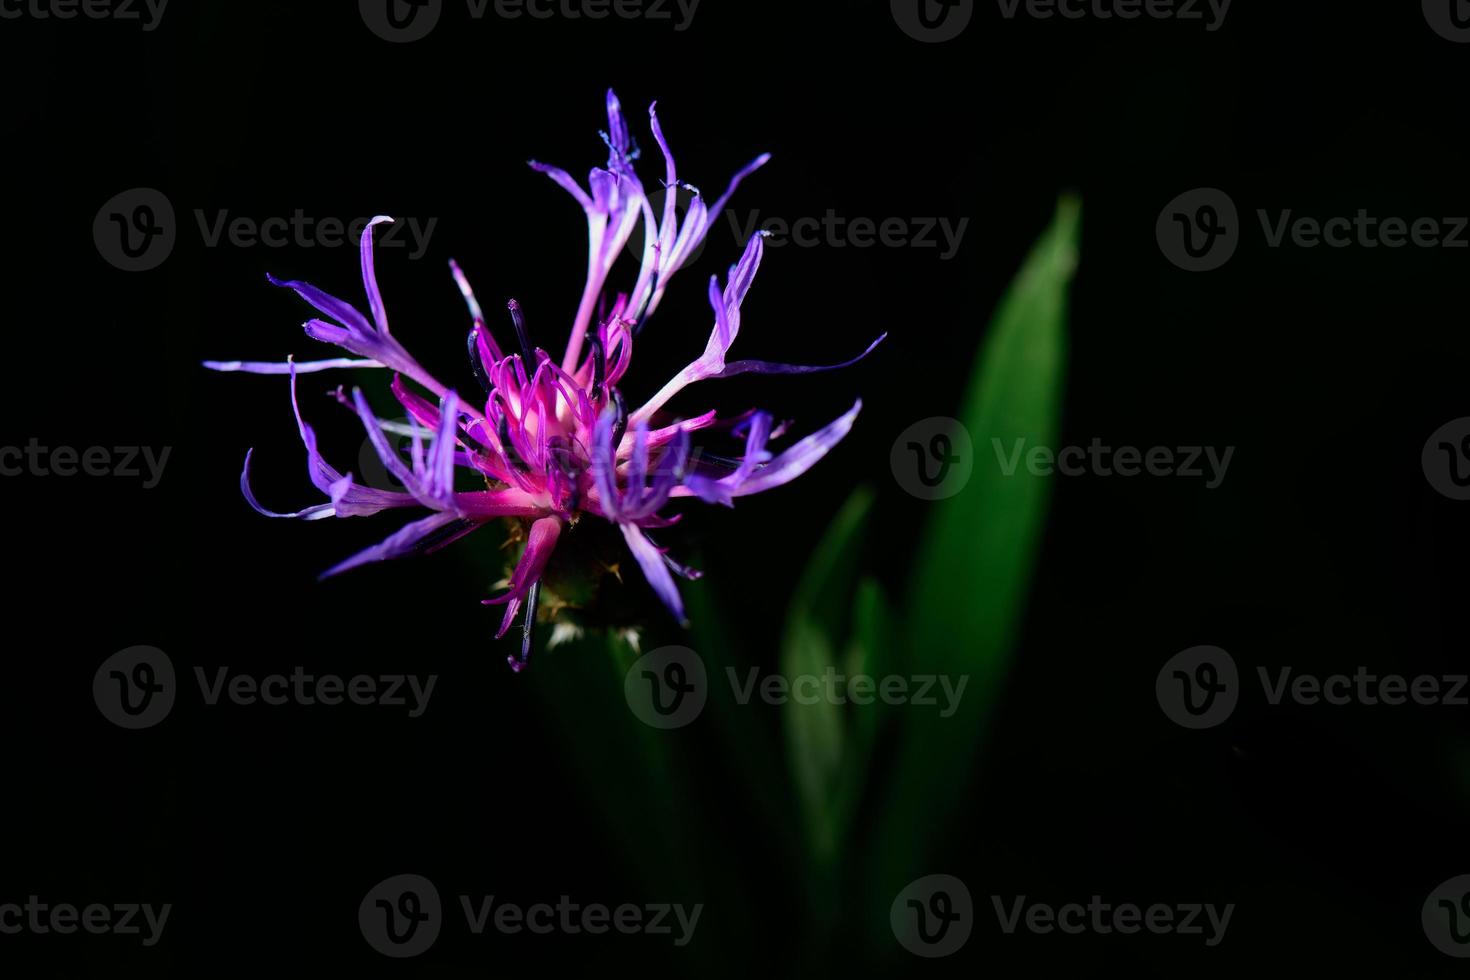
[[552, 443]]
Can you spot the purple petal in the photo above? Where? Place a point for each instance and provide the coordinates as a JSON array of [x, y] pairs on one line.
[[604, 464], [370, 277], [539, 545], [285, 367], [801, 457], [617, 132], [312, 513], [351, 499], [651, 560], [742, 273], [390, 458], [323, 474], [330, 333], [721, 490], [568, 183], [343, 312], [773, 367], [740, 175], [406, 541], [783, 469], [439, 475]]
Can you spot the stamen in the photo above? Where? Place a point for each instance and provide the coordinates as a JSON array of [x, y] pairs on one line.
[[568, 465], [508, 448], [518, 664], [620, 419], [445, 535], [599, 365], [477, 365], [520, 325], [639, 320]]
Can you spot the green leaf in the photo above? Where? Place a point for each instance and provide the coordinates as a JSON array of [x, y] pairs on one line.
[[977, 554], [818, 619]]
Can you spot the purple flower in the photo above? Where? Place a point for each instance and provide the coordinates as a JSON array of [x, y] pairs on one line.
[[553, 442]]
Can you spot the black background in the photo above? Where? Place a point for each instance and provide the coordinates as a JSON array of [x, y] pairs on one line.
[[1324, 549]]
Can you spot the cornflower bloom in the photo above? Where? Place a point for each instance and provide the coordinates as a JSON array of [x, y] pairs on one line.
[[550, 443]]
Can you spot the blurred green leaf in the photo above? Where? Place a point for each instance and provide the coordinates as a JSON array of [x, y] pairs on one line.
[[977, 554], [816, 623]]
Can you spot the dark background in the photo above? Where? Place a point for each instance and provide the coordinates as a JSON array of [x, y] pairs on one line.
[[1325, 548]]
